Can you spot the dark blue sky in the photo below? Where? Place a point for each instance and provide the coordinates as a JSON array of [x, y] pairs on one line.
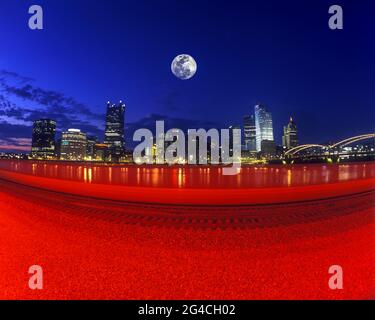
[[280, 53]]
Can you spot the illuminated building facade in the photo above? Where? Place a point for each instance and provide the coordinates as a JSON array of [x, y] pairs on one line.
[[290, 137], [264, 126], [115, 130], [250, 133], [43, 139], [101, 152], [234, 135], [73, 145], [91, 141], [268, 148], [174, 135]]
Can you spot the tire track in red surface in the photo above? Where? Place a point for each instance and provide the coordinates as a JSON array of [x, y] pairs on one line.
[[253, 216], [93, 249]]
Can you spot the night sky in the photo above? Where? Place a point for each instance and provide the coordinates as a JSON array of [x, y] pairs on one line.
[[279, 53]]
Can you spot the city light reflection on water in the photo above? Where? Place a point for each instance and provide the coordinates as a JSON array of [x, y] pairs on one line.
[[195, 177]]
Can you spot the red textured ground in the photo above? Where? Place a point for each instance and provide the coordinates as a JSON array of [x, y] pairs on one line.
[[91, 249]]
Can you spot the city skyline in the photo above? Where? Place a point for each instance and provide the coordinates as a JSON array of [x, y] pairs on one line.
[[66, 74], [257, 136], [77, 145]]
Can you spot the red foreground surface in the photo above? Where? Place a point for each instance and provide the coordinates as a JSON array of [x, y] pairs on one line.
[[182, 233]]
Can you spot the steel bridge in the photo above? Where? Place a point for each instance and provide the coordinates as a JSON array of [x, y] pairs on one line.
[[329, 148]]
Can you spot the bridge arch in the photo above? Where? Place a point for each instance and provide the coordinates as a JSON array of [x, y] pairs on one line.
[[304, 147], [342, 143], [351, 140]]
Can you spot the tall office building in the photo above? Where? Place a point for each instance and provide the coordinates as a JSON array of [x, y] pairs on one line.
[[43, 139], [58, 148], [73, 145], [101, 152], [268, 148], [250, 133], [264, 126], [114, 130], [234, 135], [290, 137], [91, 142]]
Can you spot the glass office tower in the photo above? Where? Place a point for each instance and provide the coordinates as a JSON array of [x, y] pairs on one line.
[[43, 139], [264, 126], [115, 130], [250, 133]]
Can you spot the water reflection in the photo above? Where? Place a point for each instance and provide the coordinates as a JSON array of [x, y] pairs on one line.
[[193, 177], [88, 175], [289, 178]]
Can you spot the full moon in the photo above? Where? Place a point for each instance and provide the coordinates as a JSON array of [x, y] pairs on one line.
[[184, 66]]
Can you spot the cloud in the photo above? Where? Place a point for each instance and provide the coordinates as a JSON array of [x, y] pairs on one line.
[[16, 144], [21, 141], [21, 103], [149, 122], [5, 74], [13, 148], [15, 137], [50, 100]]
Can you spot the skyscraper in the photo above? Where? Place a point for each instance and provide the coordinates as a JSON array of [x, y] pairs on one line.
[[290, 137], [43, 139], [101, 152], [91, 142], [234, 135], [250, 133], [73, 145], [264, 126], [114, 130]]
